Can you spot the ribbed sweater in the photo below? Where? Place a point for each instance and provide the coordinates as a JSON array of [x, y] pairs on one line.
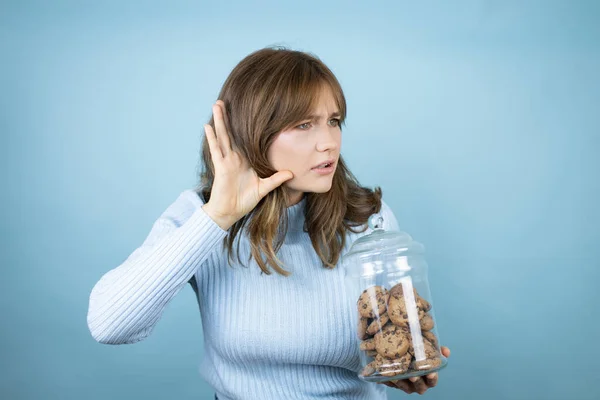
[[265, 336]]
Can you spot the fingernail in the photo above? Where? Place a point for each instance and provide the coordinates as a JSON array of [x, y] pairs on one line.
[[431, 376], [413, 379]]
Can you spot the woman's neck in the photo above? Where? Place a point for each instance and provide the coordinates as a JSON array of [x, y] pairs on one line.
[[294, 197]]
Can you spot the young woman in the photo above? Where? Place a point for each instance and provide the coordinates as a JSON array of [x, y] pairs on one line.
[[260, 240]]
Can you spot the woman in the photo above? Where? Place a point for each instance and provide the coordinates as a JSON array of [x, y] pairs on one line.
[[274, 196]]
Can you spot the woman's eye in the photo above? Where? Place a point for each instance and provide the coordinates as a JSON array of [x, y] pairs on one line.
[[304, 126], [334, 122]]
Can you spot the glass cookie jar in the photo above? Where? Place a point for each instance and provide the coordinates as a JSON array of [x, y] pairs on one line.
[[386, 280]]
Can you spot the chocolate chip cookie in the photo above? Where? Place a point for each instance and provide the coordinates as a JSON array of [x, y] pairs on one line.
[[426, 322], [369, 369], [431, 337], [377, 324], [372, 302], [361, 330], [391, 367], [432, 357], [391, 342], [368, 344]]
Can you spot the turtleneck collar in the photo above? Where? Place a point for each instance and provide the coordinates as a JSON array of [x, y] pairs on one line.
[[295, 215]]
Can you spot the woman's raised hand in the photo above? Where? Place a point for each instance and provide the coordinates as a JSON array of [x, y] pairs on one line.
[[236, 188]]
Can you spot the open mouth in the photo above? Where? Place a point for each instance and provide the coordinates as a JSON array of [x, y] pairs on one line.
[[325, 165], [322, 166]]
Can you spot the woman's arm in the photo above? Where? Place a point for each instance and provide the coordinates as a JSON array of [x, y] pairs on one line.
[[127, 302]]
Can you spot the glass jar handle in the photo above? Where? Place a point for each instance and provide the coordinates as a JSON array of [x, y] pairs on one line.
[[376, 222]]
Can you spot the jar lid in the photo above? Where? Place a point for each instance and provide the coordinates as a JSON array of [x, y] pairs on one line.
[[381, 241]]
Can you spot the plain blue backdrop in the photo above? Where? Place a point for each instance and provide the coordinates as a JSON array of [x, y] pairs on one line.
[[479, 119]]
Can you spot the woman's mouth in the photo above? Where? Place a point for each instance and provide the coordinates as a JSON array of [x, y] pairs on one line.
[[324, 168]]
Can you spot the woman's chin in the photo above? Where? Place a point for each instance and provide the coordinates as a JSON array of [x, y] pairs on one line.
[[320, 187]]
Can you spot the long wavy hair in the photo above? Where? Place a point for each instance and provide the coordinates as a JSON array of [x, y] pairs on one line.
[[269, 91]]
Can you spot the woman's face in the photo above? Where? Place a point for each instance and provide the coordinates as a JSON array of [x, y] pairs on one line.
[[310, 144]]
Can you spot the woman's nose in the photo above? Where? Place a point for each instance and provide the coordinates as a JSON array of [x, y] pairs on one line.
[[328, 139]]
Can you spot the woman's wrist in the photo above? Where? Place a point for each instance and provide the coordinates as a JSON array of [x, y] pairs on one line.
[[224, 221]]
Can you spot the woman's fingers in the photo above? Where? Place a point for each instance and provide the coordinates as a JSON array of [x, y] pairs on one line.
[[419, 385], [414, 384], [390, 384], [225, 117], [445, 351], [431, 379], [221, 130], [215, 150], [404, 385]]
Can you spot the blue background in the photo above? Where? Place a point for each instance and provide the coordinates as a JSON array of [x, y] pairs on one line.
[[479, 119]]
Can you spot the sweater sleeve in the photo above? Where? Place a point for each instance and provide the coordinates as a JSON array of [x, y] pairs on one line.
[[127, 302]]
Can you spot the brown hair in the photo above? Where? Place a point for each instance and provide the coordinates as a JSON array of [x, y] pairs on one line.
[[268, 91]]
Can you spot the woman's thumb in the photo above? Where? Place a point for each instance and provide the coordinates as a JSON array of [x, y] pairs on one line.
[[274, 181]]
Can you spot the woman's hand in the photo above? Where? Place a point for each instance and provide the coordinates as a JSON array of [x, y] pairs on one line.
[[418, 384], [236, 189]]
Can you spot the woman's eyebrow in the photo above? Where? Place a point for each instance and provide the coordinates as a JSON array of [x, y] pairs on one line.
[[314, 117]]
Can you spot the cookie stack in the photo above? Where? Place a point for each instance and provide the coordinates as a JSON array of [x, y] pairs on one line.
[[385, 332]]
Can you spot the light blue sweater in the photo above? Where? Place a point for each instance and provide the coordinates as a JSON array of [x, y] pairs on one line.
[[265, 336]]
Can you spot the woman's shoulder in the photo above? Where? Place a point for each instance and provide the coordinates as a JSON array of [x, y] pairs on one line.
[[390, 223]]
